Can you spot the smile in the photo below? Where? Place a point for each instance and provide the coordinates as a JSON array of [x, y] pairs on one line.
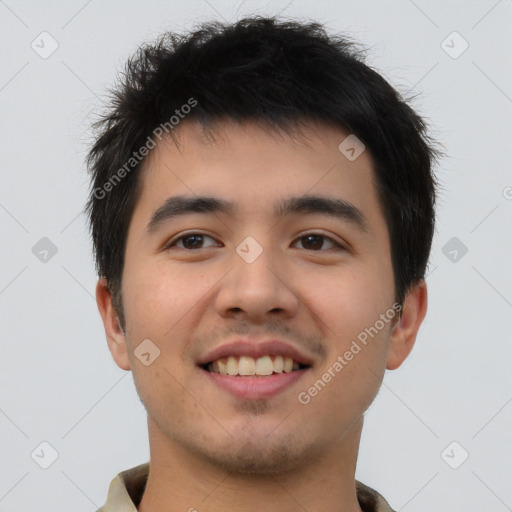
[[247, 366], [254, 379]]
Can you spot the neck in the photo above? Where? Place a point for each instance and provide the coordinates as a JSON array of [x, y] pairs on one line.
[[180, 481]]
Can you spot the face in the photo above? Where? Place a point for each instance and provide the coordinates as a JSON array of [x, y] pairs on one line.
[[317, 279]]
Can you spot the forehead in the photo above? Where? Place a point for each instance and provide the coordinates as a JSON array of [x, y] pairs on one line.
[[257, 170]]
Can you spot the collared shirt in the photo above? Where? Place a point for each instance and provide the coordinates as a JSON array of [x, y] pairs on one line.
[[126, 490]]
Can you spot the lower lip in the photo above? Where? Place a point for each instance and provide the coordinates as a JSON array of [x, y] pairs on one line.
[[255, 388]]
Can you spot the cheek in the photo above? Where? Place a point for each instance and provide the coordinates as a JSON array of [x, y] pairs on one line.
[[349, 307], [156, 299], [347, 301], [160, 390], [347, 384]]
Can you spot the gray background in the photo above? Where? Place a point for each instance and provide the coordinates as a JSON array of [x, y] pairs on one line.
[[58, 381]]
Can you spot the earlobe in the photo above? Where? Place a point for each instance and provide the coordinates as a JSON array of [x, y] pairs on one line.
[[406, 328], [115, 336]]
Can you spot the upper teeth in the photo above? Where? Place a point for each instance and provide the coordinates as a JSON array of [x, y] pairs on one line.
[[245, 365]]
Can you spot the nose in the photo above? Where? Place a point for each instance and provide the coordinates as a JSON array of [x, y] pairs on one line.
[[257, 290]]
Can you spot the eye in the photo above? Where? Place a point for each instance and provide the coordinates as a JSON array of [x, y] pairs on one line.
[[311, 241], [315, 241], [190, 241]]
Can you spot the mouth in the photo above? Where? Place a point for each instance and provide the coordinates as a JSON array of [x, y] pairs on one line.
[[251, 378], [246, 366]]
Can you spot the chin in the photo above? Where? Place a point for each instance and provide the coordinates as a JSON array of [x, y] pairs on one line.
[[261, 458]]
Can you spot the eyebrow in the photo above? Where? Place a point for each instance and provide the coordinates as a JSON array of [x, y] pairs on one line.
[[178, 206]]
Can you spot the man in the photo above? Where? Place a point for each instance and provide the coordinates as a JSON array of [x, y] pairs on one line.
[[262, 212]]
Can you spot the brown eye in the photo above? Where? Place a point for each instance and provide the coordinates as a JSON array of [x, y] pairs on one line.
[[315, 241], [190, 242]]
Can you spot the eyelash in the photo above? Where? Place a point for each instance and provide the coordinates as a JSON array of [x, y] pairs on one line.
[[174, 242]]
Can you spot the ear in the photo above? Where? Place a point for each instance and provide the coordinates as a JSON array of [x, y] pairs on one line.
[[115, 336], [405, 330]]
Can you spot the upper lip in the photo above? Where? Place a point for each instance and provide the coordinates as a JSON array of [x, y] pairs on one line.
[[255, 349]]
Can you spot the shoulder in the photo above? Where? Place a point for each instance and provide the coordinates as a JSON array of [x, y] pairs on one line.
[[370, 500], [126, 490]]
